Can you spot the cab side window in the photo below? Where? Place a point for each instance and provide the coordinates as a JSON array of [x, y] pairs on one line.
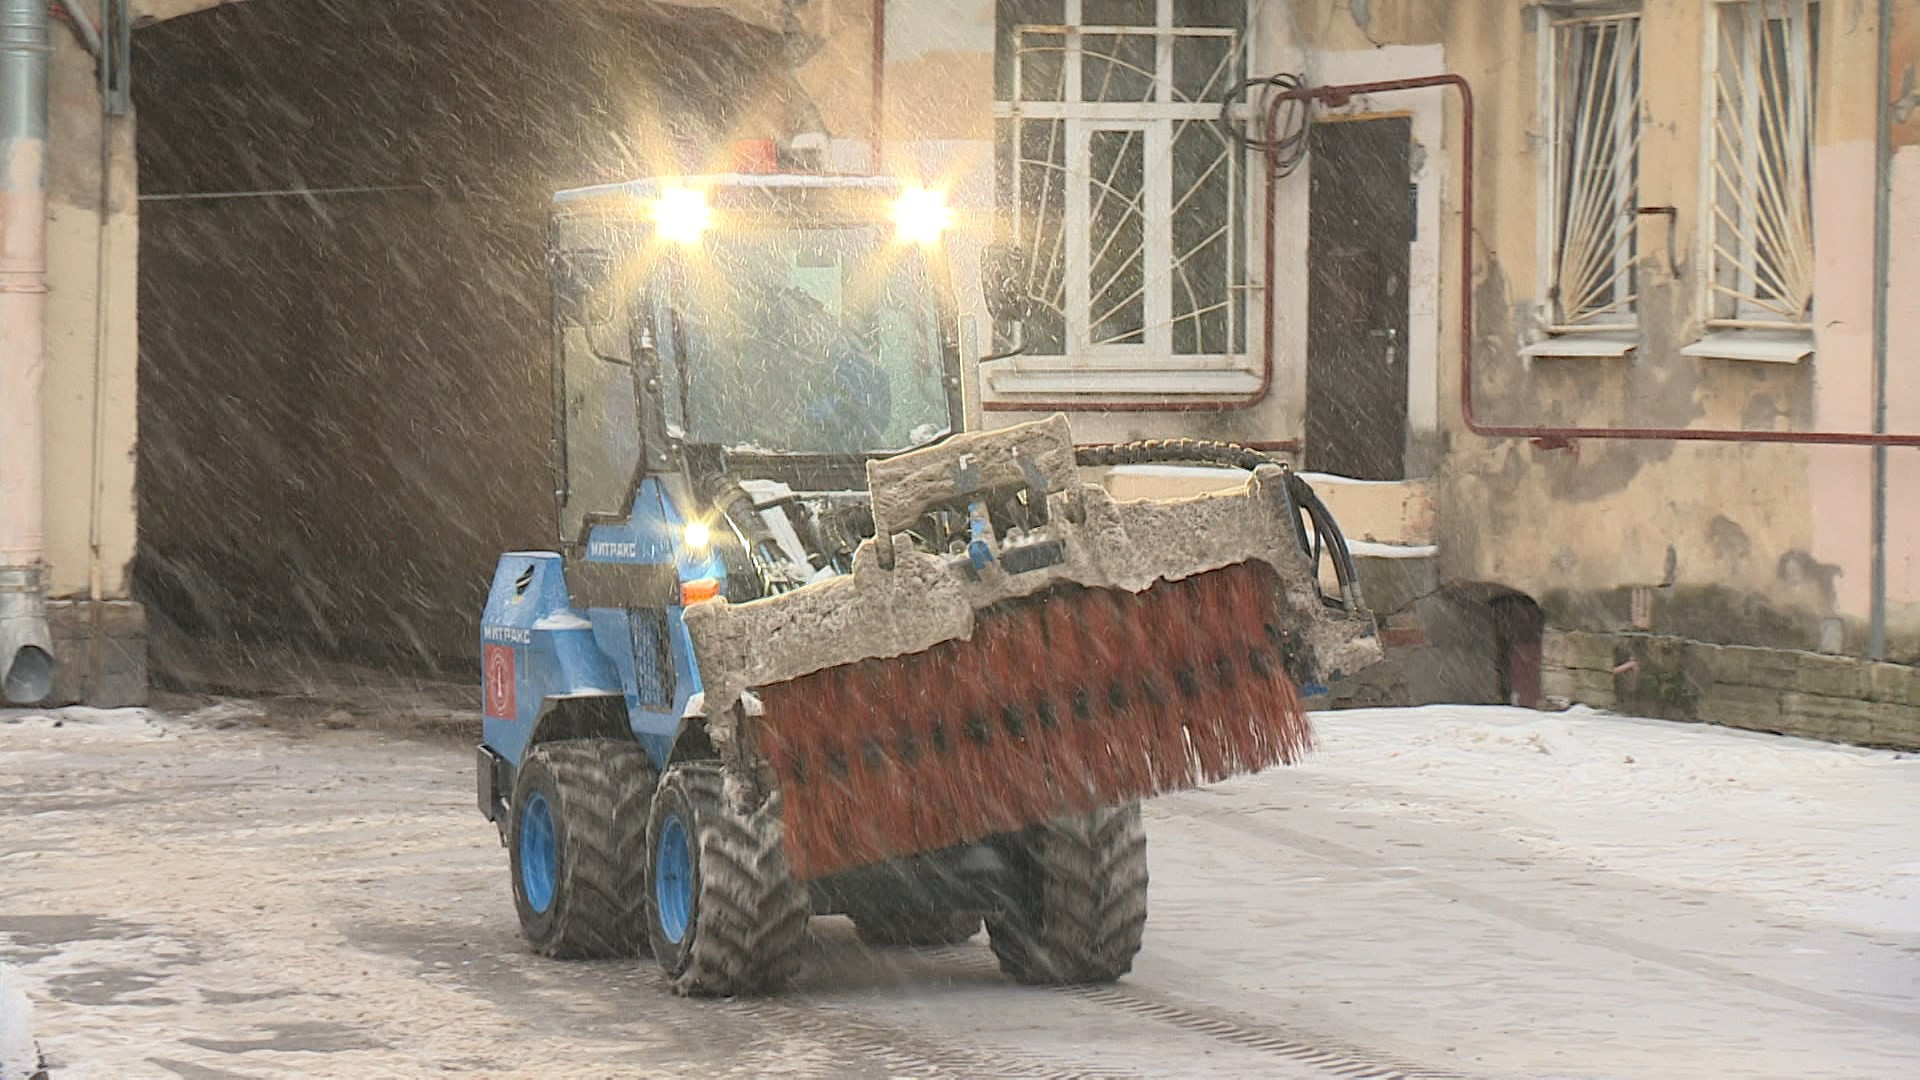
[[594, 387]]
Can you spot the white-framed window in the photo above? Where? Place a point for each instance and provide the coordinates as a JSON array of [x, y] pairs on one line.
[[1126, 194], [1759, 178], [1590, 107]]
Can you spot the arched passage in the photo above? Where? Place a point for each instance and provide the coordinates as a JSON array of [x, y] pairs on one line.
[[1463, 643], [1486, 645], [343, 316]]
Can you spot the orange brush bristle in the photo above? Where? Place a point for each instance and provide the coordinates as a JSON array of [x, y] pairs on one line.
[[1059, 702]]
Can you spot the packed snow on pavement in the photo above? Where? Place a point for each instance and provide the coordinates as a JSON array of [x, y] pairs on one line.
[[1443, 891], [1815, 829]]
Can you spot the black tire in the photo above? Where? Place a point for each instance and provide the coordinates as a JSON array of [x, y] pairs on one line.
[[901, 929], [1079, 906], [596, 793], [742, 916]]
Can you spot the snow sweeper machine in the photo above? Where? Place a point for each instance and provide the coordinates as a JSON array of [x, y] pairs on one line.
[[807, 647]]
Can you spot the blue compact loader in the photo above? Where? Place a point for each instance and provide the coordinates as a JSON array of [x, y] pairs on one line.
[[804, 646]]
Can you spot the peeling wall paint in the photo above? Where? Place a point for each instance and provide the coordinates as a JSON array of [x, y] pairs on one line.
[[1776, 529]]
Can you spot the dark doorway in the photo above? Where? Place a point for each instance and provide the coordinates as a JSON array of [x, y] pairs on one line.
[[1360, 226]]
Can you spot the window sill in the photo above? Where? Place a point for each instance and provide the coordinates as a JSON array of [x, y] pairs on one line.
[[1763, 346], [1097, 383], [1582, 346]]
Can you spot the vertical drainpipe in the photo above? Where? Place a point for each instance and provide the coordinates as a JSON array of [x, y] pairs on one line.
[[26, 647], [1882, 259]]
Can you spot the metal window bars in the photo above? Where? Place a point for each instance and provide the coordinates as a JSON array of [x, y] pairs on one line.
[[1126, 193], [1760, 190], [1593, 152]]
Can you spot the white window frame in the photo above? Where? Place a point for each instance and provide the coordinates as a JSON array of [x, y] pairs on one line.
[[1157, 245], [1151, 366], [1737, 321], [1603, 322]]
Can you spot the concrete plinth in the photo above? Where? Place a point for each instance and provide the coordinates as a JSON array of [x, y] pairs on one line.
[[109, 675]]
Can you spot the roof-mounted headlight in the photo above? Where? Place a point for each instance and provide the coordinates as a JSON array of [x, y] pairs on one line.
[[922, 214], [681, 214]]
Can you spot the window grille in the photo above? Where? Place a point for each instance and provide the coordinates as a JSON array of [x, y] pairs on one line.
[[1593, 113], [1759, 194], [1118, 181]]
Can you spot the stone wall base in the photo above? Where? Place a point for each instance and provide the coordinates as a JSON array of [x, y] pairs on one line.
[[114, 676], [1816, 696]]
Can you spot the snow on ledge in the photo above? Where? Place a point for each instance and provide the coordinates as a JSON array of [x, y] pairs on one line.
[[1319, 479], [1373, 549]]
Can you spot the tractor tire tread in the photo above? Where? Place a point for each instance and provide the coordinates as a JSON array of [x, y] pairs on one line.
[[604, 787], [753, 914], [1083, 908]]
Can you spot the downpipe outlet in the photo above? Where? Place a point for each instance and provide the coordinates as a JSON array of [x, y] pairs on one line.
[[26, 646]]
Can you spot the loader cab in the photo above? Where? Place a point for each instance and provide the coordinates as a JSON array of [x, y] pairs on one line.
[[769, 329]]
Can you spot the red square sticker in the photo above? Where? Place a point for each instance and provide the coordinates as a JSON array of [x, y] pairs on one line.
[[498, 661]]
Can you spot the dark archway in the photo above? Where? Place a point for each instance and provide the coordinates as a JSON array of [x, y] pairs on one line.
[[1486, 640], [343, 393]]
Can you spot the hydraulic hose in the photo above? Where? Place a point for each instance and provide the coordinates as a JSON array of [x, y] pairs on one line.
[[1327, 536]]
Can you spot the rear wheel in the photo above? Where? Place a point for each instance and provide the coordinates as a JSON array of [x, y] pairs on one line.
[[724, 914], [579, 820], [1079, 903]]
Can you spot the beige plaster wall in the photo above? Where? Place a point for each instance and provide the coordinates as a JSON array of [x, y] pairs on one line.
[[75, 420], [767, 13], [1747, 542]]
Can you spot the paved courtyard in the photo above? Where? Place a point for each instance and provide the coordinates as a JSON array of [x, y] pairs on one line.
[[212, 893]]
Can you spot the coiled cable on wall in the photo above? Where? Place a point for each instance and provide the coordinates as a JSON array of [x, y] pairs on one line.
[[1288, 148]]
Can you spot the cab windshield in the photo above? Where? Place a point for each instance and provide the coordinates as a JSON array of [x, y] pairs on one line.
[[802, 340]]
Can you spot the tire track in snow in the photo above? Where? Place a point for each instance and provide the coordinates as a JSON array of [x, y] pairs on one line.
[[1250, 824], [1299, 1047], [900, 1048]]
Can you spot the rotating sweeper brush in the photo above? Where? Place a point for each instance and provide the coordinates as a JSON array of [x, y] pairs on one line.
[[1083, 652]]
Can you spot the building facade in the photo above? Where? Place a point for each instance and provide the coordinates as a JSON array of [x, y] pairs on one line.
[[1690, 217], [1675, 212]]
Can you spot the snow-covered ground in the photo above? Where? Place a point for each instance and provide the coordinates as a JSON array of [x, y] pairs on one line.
[[1450, 891], [1812, 829], [19, 1054]]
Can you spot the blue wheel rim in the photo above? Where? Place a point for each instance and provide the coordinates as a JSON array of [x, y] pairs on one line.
[[539, 855], [673, 879]]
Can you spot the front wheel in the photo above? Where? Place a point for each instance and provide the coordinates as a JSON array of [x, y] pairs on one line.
[[1079, 903], [579, 820], [724, 914]]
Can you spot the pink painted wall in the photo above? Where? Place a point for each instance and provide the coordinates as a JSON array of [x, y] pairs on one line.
[[1841, 479], [1841, 487]]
